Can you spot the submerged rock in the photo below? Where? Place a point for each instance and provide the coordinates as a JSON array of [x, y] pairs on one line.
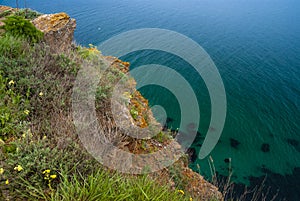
[[294, 143], [265, 147], [234, 143], [192, 154]]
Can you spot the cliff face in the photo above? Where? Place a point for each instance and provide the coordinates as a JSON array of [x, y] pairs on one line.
[[178, 174], [58, 35], [58, 30]]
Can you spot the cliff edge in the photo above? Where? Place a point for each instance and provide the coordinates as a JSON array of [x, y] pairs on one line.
[[61, 64]]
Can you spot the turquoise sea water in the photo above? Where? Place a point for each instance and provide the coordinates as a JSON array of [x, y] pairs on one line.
[[256, 48]]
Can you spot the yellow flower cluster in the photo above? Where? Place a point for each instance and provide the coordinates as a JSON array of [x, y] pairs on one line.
[[26, 112], [49, 177], [53, 176], [181, 192], [27, 134], [127, 94], [1, 171], [93, 49], [19, 168], [11, 82]]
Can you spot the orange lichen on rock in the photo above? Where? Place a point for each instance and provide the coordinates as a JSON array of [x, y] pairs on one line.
[[51, 22], [125, 63], [192, 182], [59, 19], [58, 30], [123, 66], [139, 109]]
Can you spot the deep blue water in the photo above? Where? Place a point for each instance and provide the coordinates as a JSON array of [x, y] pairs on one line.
[[256, 48]]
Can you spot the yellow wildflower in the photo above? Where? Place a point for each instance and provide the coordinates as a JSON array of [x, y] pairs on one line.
[[19, 168], [46, 171], [127, 94], [41, 94], [1, 171], [181, 192], [11, 82], [191, 199], [26, 112], [6, 182], [44, 137], [53, 176], [24, 135]]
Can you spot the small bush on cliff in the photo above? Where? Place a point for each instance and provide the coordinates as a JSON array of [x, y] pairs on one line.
[[33, 169], [89, 53], [5, 13], [19, 27], [27, 13], [11, 47]]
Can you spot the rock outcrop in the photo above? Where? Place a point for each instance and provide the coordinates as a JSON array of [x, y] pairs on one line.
[[58, 30], [3, 11]]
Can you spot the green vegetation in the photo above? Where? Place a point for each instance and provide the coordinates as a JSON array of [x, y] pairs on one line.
[[27, 13], [163, 136], [102, 185], [5, 13], [13, 109], [18, 26], [41, 157]]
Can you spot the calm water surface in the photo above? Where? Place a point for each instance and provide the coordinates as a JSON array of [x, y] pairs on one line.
[[256, 48]]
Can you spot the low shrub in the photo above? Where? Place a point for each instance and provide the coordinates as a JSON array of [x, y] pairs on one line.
[[13, 109], [27, 13], [18, 26], [5, 13], [11, 47], [34, 166]]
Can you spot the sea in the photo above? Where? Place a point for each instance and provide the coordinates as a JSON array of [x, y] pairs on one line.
[[255, 46]]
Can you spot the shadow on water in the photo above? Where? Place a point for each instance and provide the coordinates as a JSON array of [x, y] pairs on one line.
[[265, 187]]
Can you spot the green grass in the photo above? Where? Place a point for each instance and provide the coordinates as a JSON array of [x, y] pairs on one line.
[[105, 186], [18, 26]]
